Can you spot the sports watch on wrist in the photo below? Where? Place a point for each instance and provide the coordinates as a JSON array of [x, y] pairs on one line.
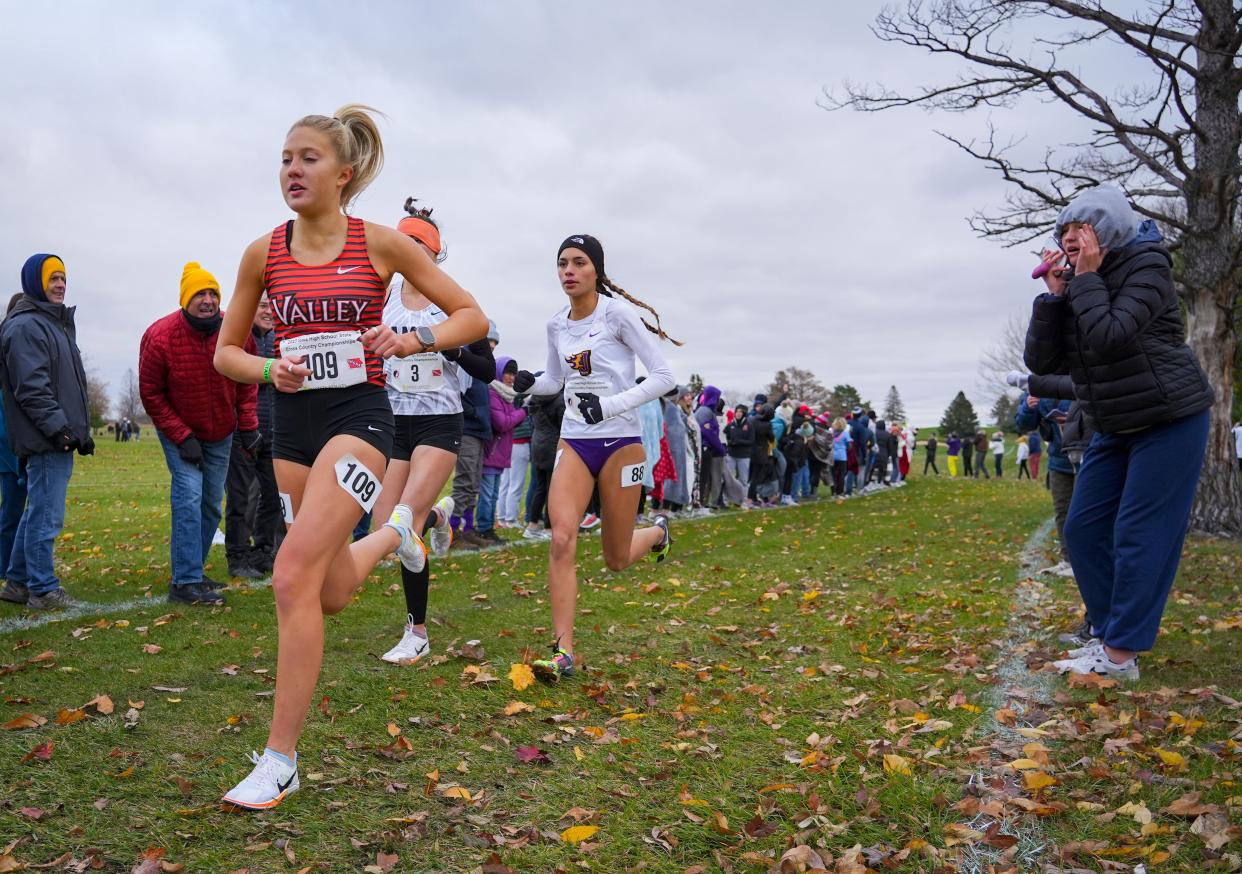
[[426, 337]]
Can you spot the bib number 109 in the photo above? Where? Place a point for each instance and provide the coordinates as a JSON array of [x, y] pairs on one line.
[[323, 365], [358, 481]]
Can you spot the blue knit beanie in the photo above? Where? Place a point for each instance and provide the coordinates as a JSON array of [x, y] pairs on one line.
[[32, 276]]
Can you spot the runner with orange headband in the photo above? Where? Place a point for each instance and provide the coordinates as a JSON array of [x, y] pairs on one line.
[[326, 274], [424, 391], [592, 347]]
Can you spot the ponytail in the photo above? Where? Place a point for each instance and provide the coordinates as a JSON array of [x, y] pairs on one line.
[[607, 286], [356, 140]]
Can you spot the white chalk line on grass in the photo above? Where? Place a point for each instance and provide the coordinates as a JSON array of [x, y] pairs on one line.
[[1032, 690], [87, 609]]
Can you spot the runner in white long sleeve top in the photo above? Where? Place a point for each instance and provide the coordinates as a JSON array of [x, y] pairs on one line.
[[592, 347]]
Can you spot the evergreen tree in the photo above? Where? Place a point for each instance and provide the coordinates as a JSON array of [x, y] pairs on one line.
[[843, 399], [1003, 411], [959, 417], [696, 386], [894, 409]]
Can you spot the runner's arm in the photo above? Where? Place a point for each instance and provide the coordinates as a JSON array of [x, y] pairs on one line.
[[477, 360], [659, 379], [232, 359], [394, 252], [552, 380]]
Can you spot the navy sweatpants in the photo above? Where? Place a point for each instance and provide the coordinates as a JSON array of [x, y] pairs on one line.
[[1126, 524]]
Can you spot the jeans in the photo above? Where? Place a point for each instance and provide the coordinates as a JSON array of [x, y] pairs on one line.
[[740, 468], [513, 483], [802, 482], [13, 489], [489, 491], [195, 498], [1127, 520], [47, 483], [1000, 464]]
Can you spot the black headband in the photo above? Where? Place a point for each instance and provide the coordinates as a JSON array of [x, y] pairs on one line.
[[591, 247]]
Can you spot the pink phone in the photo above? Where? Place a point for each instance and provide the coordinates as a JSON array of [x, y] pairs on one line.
[[1042, 268]]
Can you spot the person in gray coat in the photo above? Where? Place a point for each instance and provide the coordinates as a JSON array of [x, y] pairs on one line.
[[676, 492], [44, 386]]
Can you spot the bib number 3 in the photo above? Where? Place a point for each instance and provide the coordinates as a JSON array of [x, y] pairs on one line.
[[358, 481]]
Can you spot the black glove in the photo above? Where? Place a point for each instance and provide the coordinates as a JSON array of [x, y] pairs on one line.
[[451, 354], [191, 451], [250, 441], [590, 408], [524, 380], [87, 447], [66, 441], [519, 401]]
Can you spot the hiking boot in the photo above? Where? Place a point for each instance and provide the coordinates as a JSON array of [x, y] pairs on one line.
[[57, 599], [467, 540], [491, 537], [195, 593], [14, 593], [267, 785]]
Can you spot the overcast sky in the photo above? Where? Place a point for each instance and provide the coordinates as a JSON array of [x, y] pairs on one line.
[[686, 136]]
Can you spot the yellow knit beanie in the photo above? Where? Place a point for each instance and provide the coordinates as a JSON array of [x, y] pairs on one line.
[[195, 279], [50, 266]]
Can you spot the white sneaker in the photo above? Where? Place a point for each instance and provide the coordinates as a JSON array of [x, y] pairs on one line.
[[410, 649], [411, 551], [536, 534], [442, 532], [1098, 662], [1093, 645], [268, 784], [1059, 569], [1066, 571]]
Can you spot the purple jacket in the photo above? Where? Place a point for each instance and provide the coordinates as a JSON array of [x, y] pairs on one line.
[[505, 418]]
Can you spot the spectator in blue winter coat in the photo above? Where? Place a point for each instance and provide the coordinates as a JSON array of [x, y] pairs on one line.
[[1044, 415]]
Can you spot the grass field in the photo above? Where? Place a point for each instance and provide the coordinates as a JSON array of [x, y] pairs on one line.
[[850, 687]]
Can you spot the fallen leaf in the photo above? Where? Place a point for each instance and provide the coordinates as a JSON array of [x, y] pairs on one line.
[[532, 755], [578, 833], [895, 764], [385, 861], [68, 717], [42, 751], [102, 703], [522, 676], [799, 859], [26, 720], [515, 707]]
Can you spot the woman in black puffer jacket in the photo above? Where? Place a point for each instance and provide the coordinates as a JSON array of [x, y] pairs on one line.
[[1110, 319]]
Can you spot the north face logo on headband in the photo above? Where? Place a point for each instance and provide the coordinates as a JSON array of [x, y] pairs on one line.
[[578, 240]]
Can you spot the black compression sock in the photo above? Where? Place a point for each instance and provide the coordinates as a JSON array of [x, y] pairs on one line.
[[415, 586]]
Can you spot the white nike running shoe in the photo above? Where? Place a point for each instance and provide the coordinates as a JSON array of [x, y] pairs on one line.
[[411, 551], [410, 649], [442, 532], [1098, 662], [269, 783]]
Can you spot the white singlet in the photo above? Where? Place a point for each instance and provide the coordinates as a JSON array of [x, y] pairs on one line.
[[424, 384], [596, 355]]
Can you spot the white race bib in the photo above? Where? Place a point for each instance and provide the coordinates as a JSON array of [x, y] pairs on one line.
[[335, 360], [421, 372], [597, 385], [632, 474], [356, 479]]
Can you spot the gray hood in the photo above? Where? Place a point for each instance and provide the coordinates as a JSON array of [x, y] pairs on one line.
[[1106, 209]]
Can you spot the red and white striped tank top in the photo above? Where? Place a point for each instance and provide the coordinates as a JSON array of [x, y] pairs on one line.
[[343, 295]]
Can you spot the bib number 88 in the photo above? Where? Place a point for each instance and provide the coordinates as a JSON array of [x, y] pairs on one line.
[[323, 365], [632, 474]]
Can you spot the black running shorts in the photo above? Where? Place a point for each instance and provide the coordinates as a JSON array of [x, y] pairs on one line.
[[441, 430], [305, 421]]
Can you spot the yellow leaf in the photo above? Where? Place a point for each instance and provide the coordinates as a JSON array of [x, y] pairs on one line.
[[393, 729], [578, 833], [896, 764], [515, 707], [522, 676], [972, 708], [1024, 765], [630, 717], [458, 792], [579, 754], [1137, 810], [811, 595], [1172, 759], [1038, 780]]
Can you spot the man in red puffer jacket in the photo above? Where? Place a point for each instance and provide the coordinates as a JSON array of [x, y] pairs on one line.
[[195, 411]]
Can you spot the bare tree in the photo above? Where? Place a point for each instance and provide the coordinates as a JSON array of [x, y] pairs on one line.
[[803, 386], [1172, 142], [97, 401], [129, 404], [1002, 356]]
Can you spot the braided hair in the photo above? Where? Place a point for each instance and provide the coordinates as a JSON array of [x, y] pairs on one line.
[[607, 287]]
